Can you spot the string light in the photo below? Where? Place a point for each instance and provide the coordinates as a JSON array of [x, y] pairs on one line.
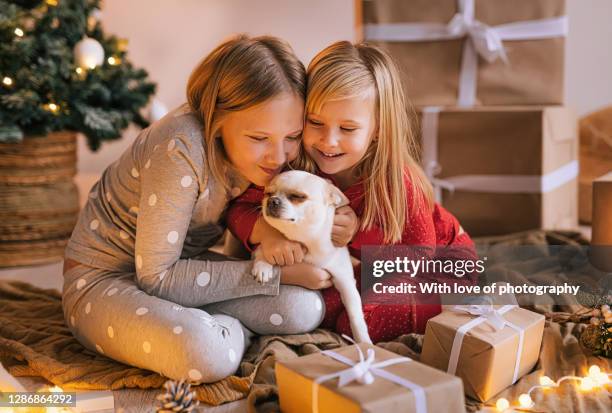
[[7, 81], [113, 61], [18, 32], [502, 404], [546, 381], [52, 107], [595, 378], [525, 400], [79, 70]]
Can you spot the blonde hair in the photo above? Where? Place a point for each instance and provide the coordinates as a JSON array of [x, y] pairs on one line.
[[240, 73], [345, 70]]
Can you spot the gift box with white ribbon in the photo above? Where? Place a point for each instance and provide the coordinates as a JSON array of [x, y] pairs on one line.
[[488, 347], [473, 52], [365, 378], [503, 169]]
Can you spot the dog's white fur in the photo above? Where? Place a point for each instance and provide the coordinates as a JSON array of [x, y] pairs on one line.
[[305, 211]]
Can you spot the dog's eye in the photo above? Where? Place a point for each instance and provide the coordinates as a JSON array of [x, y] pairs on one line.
[[296, 197]]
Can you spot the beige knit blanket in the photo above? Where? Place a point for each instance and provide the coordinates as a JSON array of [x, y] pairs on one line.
[[36, 342]]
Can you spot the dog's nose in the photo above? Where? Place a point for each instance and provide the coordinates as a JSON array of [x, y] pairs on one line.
[[274, 207], [274, 202]]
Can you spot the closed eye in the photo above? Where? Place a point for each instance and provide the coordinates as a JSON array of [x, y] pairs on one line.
[[348, 129], [297, 198], [315, 122], [257, 138]]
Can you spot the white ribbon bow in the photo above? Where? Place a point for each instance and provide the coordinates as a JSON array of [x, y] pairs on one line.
[[490, 314], [486, 314], [485, 40], [364, 372]]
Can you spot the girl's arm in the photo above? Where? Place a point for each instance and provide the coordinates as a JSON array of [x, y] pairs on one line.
[[169, 189], [244, 220], [243, 217]]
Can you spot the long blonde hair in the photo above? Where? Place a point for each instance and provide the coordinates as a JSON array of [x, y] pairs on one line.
[[240, 73], [345, 70]]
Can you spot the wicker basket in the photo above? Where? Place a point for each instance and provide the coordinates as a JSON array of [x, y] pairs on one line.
[[39, 202]]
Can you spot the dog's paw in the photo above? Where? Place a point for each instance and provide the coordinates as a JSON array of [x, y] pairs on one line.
[[262, 271]]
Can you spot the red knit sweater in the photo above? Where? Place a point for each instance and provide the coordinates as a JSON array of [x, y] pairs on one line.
[[427, 227]]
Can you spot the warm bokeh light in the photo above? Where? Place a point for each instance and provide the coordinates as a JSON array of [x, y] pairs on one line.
[[525, 400], [546, 381], [7, 81], [502, 404], [18, 32]]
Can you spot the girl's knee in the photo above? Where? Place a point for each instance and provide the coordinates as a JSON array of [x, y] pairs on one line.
[[210, 355], [303, 311]]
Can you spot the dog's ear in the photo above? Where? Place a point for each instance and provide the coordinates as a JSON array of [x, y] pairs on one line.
[[336, 196]]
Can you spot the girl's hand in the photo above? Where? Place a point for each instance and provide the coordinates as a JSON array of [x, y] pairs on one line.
[[306, 275], [345, 226], [278, 250]]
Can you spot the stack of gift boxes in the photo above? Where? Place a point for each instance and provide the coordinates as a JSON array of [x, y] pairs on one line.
[[475, 350], [486, 77]]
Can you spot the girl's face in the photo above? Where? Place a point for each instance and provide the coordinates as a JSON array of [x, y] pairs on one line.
[[338, 137], [260, 140]]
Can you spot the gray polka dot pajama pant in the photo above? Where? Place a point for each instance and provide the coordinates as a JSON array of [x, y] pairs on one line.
[[108, 313]]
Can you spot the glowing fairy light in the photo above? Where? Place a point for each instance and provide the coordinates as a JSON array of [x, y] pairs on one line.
[[594, 380], [546, 381], [502, 404], [18, 32], [52, 107], [525, 400], [7, 81], [113, 61]]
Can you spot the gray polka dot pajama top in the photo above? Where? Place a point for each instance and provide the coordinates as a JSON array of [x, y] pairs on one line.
[[150, 293]]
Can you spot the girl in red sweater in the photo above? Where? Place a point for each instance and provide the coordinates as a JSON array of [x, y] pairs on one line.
[[357, 134]]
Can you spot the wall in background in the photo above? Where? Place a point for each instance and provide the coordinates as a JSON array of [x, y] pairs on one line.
[[169, 38]]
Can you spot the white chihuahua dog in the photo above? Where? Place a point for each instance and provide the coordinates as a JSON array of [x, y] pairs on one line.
[[302, 206]]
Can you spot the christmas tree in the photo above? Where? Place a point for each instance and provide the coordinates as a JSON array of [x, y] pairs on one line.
[[59, 71]]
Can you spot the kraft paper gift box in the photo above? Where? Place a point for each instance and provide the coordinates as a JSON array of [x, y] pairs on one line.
[[487, 359], [503, 169], [466, 52], [592, 166], [424, 390]]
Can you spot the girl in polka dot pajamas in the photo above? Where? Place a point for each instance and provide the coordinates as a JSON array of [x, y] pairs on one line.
[[357, 134], [140, 285]]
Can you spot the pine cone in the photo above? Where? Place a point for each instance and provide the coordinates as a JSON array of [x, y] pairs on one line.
[[178, 398], [590, 337]]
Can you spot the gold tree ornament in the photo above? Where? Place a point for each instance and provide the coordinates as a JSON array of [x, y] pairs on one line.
[[122, 45], [52, 3]]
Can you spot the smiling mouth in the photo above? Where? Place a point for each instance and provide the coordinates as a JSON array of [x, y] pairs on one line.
[[329, 155]]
